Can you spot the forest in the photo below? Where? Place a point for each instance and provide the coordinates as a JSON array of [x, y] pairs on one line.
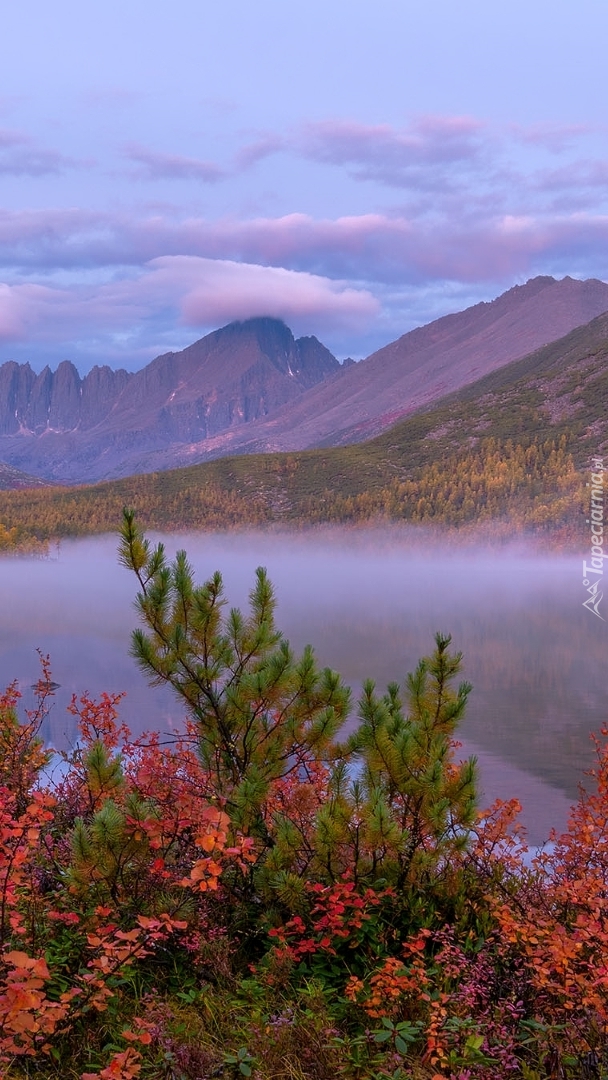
[[528, 485], [262, 897]]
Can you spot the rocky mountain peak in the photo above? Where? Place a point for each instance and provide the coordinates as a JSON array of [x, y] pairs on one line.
[[251, 386], [235, 375]]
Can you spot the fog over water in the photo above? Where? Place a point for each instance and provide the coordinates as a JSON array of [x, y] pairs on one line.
[[369, 602]]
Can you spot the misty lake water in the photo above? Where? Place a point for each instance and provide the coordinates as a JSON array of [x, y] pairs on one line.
[[369, 602]]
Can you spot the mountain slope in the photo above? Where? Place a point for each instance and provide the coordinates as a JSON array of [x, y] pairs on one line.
[[515, 446], [14, 480], [62, 427], [424, 365], [405, 376], [250, 387]]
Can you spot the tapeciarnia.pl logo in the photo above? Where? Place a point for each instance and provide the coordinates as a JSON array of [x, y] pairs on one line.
[[593, 571]]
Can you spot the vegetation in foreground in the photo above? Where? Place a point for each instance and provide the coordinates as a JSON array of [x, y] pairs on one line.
[[258, 899]]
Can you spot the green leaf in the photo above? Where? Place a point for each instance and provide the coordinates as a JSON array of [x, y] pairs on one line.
[[382, 1036], [401, 1045], [408, 1030], [474, 1042]]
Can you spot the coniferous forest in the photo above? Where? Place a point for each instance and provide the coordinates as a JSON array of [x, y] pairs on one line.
[[519, 486], [263, 897]]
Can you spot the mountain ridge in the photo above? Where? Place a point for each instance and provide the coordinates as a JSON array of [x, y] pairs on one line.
[[434, 360], [49, 424], [511, 451], [251, 387]]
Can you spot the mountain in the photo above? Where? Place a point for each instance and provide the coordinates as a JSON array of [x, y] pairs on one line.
[[14, 480], [251, 387], [423, 366], [66, 428], [511, 450]]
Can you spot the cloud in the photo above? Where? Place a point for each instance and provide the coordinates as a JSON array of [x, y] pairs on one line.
[[376, 249], [19, 156], [9, 139], [472, 216], [138, 312], [395, 157], [158, 166], [192, 291], [556, 138], [477, 208], [69, 239], [381, 153], [11, 327], [574, 179], [359, 247], [28, 309], [261, 148], [216, 291]]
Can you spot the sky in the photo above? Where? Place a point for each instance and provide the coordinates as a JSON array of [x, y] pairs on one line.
[[354, 167]]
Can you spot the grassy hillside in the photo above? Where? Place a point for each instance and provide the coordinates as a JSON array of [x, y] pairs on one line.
[[512, 448]]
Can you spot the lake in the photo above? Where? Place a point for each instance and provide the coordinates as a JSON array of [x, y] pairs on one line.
[[369, 601]]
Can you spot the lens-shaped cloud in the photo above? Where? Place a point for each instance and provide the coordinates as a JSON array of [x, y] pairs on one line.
[[200, 293], [220, 291]]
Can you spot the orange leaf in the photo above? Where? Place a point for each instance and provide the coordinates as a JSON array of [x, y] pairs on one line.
[[19, 960], [199, 871], [206, 842]]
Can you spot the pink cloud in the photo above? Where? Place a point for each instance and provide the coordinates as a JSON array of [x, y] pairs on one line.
[[158, 166], [216, 291], [380, 152], [138, 314], [380, 249], [457, 189], [201, 292], [11, 138], [155, 165], [553, 137], [371, 152], [574, 178], [263, 147], [478, 207], [11, 327], [377, 248], [374, 248], [19, 156], [24, 308], [71, 238]]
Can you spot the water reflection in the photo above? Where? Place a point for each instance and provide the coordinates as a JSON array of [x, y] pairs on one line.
[[369, 601]]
